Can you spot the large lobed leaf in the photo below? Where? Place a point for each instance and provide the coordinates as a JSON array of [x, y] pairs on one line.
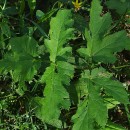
[[21, 60], [101, 46], [94, 109]]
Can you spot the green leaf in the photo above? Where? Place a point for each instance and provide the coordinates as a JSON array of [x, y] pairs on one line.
[[111, 103], [112, 87], [61, 32], [66, 70], [103, 22], [39, 14], [82, 119], [98, 109], [121, 6], [24, 44], [110, 44], [101, 46], [94, 109], [93, 112], [22, 58], [43, 17], [56, 97], [113, 126]]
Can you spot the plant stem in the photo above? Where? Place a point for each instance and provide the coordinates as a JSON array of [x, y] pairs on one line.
[[119, 67]]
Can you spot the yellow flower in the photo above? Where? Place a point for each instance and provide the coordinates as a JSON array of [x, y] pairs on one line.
[[77, 5]]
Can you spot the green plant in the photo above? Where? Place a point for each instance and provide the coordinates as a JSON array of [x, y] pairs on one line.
[[58, 84], [121, 6]]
